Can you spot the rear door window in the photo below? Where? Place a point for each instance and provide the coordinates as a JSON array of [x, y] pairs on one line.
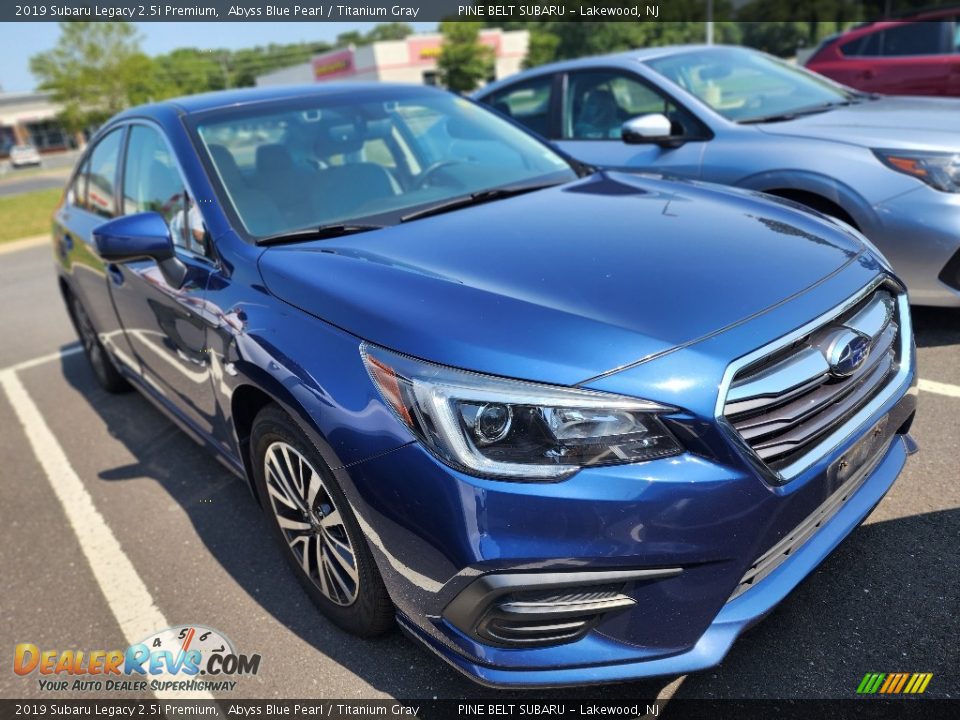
[[916, 38], [528, 103], [77, 196], [102, 178]]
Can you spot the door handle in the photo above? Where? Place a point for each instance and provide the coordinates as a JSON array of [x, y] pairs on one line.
[[867, 75], [65, 245], [116, 275]]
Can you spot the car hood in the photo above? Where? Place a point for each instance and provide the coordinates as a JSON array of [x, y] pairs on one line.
[[905, 123], [565, 283]]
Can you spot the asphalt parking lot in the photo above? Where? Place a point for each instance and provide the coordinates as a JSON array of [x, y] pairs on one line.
[[52, 175], [885, 601]]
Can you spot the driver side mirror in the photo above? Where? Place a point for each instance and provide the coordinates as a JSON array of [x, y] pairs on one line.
[[648, 129], [140, 237]]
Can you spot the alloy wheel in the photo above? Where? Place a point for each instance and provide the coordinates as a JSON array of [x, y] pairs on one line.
[[311, 523]]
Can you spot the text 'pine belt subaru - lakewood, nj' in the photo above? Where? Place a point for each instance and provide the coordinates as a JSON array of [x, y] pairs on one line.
[[563, 426]]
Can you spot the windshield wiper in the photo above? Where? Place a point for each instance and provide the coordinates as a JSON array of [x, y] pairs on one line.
[[321, 232], [477, 198], [792, 114]]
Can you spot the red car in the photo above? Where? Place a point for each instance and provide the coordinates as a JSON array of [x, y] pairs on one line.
[[919, 56]]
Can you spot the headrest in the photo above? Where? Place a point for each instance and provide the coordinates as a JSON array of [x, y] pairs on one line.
[[273, 158], [226, 164]]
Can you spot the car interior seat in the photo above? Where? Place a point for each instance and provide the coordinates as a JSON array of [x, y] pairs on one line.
[[348, 185], [258, 212], [599, 115]]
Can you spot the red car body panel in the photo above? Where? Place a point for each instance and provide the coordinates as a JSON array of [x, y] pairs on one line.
[[920, 56]]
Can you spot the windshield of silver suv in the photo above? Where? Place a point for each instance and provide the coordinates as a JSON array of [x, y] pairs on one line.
[[749, 87], [335, 163]]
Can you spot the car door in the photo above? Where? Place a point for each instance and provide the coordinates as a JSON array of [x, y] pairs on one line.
[[166, 325], [596, 103], [91, 200]]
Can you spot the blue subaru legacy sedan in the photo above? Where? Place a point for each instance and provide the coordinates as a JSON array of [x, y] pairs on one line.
[[562, 426]]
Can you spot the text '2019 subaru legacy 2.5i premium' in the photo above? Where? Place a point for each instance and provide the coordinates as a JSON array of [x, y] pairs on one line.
[[564, 426]]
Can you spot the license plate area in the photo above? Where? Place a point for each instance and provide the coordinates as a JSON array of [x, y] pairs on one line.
[[863, 456]]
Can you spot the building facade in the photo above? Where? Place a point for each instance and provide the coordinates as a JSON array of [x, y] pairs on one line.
[[30, 118], [412, 60]]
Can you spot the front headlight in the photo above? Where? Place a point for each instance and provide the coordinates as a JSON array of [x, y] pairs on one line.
[[938, 170], [512, 429]]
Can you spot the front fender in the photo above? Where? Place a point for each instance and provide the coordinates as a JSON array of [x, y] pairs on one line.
[[829, 188]]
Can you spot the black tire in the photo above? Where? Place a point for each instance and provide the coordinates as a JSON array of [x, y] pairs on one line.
[[317, 553], [100, 361]]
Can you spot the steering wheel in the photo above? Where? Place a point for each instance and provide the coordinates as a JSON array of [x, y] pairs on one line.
[[431, 169]]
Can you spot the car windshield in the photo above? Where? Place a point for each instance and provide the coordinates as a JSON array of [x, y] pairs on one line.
[[747, 86], [373, 159]]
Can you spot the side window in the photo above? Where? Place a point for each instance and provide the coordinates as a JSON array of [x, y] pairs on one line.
[[598, 103], [102, 176], [915, 38], [77, 196], [528, 103], [152, 183], [866, 46]]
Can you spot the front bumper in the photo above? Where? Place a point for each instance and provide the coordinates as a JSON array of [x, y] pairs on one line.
[[701, 517], [734, 618], [919, 233]]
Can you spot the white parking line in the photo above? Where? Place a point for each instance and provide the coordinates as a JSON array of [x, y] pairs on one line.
[[127, 596], [940, 388], [67, 351]]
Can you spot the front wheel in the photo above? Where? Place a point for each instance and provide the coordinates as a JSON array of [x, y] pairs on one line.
[[315, 525]]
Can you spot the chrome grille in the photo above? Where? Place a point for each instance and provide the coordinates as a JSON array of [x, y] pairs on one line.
[[786, 402]]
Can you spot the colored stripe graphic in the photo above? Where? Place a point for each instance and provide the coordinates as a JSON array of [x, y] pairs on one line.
[[870, 683], [894, 683], [918, 683]]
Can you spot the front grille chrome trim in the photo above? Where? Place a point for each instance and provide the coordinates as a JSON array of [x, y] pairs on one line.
[[872, 318], [895, 386], [780, 379]]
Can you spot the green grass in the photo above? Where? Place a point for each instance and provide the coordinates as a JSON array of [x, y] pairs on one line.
[[27, 214]]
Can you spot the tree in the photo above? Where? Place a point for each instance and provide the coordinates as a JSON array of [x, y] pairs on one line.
[[463, 62], [186, 71], [389, 31], [351, 37], [382, 31], [96, 70]]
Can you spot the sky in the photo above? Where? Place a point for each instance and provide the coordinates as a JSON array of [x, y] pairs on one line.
[[18, 41]]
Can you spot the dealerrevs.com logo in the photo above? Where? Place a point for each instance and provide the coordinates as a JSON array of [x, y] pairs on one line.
[[182, 658]]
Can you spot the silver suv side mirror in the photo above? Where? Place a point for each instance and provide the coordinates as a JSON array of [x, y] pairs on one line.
[[650, 128]]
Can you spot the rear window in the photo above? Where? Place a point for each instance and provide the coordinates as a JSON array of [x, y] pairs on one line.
[[907, 39]]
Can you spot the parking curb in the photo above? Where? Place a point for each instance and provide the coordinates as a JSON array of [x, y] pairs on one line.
[[23, 243]]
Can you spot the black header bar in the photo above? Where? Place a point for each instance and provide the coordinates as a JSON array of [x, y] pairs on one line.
[[434, 10]]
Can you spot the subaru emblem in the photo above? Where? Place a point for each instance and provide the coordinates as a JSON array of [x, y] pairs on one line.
[[847, 352]]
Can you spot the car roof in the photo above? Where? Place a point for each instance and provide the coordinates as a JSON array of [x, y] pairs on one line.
[[622, 57], [893, 20], [244, 96]]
